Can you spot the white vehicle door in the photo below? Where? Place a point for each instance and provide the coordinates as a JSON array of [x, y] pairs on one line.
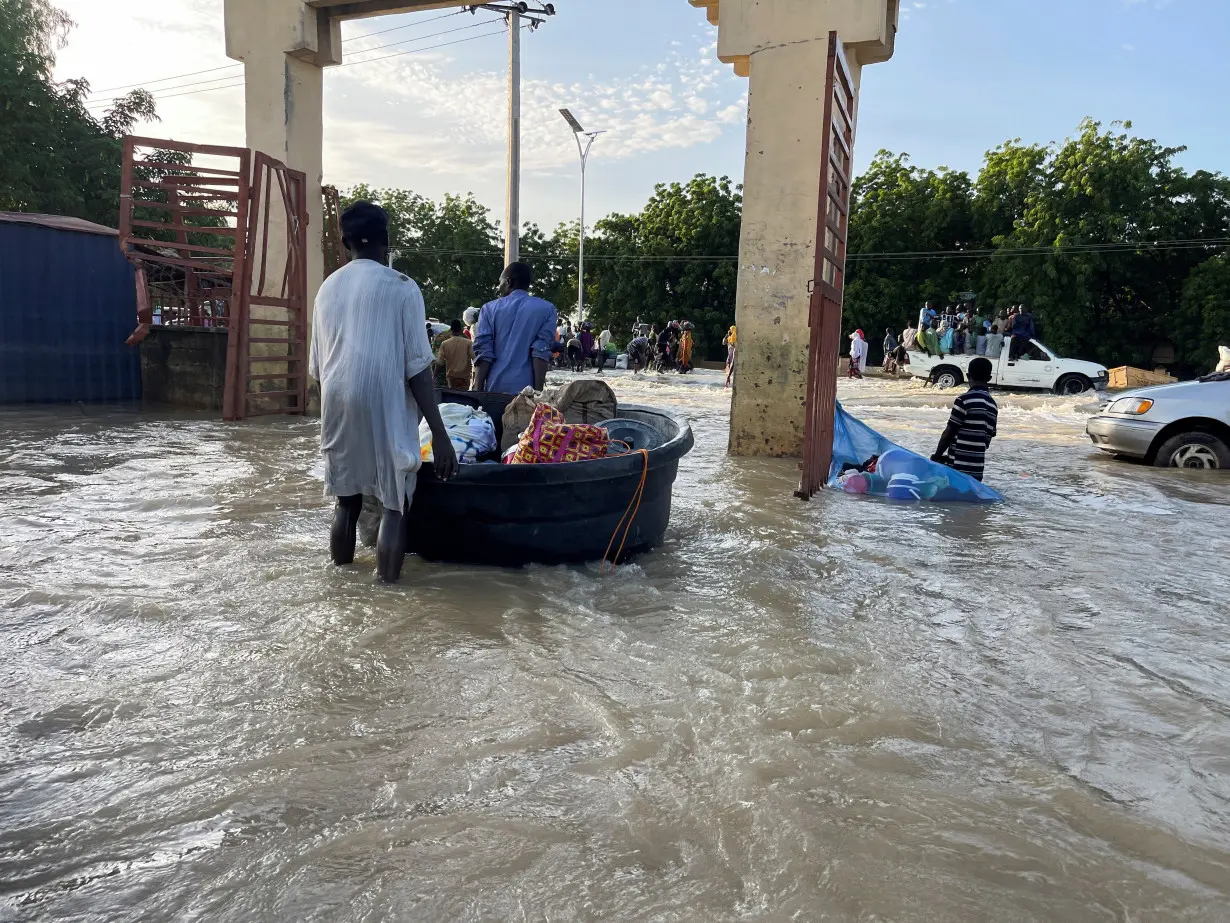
[[1033, 368], [999, 365]]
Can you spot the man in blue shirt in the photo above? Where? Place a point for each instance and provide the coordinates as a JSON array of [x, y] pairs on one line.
[[512, 347]]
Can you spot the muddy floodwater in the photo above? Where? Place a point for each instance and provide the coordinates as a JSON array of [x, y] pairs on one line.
[[842, 710]]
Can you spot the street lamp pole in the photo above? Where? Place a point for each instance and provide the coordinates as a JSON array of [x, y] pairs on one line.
[[583, 149]]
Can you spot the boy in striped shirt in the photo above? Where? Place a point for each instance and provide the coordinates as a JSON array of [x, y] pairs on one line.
[[972, 424]]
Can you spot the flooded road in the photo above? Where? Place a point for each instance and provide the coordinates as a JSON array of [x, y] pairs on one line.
[[842, 710]]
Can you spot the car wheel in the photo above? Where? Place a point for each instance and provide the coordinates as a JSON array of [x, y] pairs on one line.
[[947, 377], [1072, 385], [1193, 450]]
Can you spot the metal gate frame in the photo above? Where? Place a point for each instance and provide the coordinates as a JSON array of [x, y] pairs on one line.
[[190, 191], [331, 234], [281, 382], [827, 288]]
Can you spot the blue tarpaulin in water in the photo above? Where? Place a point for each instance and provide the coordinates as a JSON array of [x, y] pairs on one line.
[[899, 473]]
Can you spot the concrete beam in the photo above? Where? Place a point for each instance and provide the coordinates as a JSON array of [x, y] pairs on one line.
[[362, 9]]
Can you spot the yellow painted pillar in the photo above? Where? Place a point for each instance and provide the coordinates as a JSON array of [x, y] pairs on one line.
[[782, 46], [284, 46]]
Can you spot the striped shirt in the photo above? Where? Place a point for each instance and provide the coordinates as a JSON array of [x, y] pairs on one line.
[[975, 415]]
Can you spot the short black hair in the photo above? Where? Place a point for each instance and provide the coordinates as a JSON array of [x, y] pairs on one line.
[[365, 225], [519, 275], [455, 325], [980, 370]]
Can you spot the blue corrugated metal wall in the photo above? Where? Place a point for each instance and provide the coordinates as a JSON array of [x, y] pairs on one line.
[[67, 303]]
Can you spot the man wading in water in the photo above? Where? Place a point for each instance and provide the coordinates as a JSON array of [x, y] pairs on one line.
[[372, 358], [513, 342]]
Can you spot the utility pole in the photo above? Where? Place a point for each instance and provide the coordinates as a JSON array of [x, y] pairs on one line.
[[579, 132], [512, 213], [513, 13]]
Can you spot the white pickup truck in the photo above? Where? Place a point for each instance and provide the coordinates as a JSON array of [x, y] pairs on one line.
[[1037, 367]]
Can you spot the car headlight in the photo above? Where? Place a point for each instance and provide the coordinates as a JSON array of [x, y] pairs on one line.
[[1130, 405]]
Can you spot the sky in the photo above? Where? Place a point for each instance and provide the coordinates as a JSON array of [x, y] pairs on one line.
[[967, 75]]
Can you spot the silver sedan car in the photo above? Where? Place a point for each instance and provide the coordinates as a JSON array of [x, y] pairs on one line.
[[1184, 425]]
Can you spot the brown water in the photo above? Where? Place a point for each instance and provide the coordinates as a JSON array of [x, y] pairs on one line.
[[843, 710]]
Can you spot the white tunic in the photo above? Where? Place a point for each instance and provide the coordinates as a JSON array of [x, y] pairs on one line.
[[858, 353], [368, 337]]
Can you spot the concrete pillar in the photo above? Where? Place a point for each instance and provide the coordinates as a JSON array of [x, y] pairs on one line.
[[284, 46], [782, 46]]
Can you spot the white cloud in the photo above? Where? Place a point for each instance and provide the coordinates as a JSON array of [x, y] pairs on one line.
[[430, 121]]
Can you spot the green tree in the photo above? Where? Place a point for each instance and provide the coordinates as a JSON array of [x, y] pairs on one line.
[[659, 263], [1094, 250], [898, 208], [451, 249], [1011, 176], [1205, 315], [55, 157], [554, 260]]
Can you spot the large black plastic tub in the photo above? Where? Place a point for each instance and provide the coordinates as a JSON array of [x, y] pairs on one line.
[[511, 515]]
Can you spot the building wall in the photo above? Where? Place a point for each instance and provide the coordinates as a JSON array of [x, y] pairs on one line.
[[67, 304], [184, 367]]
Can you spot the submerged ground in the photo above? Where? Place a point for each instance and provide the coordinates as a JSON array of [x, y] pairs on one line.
[[843, 710]]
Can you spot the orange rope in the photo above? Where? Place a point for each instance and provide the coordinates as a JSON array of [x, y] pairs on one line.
[[634, 507]]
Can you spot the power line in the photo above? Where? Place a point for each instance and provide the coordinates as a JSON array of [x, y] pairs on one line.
[[98, 104], [431, 48], [198, 83], [411, 25], [226, 67], [419, 38], [886, 256]]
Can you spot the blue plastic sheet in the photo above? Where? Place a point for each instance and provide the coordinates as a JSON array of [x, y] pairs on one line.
[[899, 473]]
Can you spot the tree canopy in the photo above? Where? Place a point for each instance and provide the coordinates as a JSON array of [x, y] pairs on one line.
[[55, 156], [666, 262], [1104, 236], [1120, 252]]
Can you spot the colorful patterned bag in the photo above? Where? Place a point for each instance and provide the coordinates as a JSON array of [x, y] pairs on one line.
[[549, 440]]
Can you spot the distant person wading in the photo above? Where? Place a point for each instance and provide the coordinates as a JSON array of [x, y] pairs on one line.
[[513, 343]]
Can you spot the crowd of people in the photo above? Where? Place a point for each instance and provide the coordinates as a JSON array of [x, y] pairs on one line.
[[962, 330], [378, 375], [668, 349], [455, 355]]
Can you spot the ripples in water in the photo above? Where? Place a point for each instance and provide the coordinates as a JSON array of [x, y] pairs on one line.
[[845, 709]]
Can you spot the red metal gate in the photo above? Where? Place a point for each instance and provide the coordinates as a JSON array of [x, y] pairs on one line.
[[183, 226], [828, 286], [331, 234], [266, 362], [223, 245]]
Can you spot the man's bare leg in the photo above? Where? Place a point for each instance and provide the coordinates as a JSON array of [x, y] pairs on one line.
[[345, 524], [391, 546]]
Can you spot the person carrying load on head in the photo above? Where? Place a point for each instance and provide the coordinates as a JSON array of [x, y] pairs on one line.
[[469, 317], [972, 424], [686, 347], [371, 355], [515, 332]]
